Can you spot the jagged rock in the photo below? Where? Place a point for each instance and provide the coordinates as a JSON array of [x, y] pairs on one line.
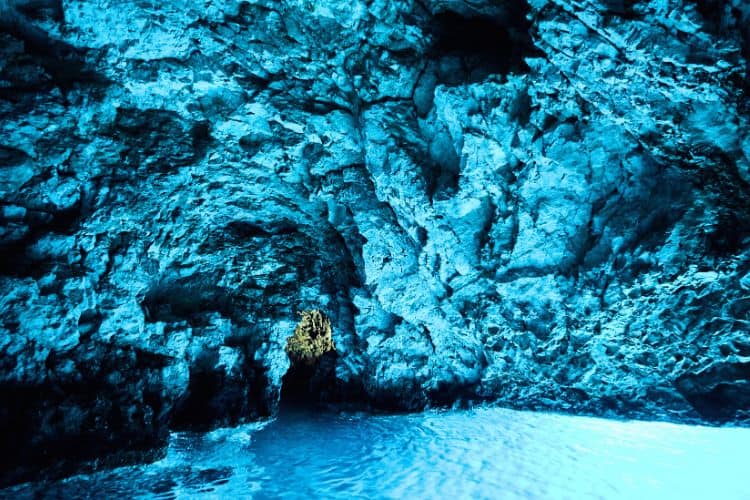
[[543, 204]]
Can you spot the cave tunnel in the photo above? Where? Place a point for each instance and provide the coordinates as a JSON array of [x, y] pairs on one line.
[[484, 44]]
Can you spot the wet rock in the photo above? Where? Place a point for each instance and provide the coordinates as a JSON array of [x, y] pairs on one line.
[[542, 204]]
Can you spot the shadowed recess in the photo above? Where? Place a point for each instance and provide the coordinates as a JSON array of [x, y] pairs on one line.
[[485, 45]]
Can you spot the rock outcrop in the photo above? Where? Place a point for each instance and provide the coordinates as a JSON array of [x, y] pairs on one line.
[[544, 204]]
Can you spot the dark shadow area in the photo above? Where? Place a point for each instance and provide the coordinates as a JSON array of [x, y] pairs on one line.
[[34, 60], [721, 183], [484, 45], [217, 397], [441, 177], [111, 410], [10, 157], [719, 394], [730, 233], [159, 140], [190, 298], [625, 9], [295, 388], [39, 9], [14, 252], [315, 386], [309, 385]]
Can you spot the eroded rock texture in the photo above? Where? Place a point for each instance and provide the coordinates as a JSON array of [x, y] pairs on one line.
[[544, 204]]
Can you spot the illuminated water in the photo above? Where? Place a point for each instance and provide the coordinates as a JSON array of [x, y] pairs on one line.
[[486, 453]]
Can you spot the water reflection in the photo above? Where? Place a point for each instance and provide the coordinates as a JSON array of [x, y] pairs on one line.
[[485, 453]]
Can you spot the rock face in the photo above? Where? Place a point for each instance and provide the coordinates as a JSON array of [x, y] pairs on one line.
[[543, 204]]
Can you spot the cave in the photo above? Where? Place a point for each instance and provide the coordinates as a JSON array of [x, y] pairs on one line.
[[483, 44], [496, 206], [192, 298], [218, 396], [312, 361], [306, 385]]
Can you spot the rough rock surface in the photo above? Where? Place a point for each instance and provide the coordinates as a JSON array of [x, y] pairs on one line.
[[543, 204]]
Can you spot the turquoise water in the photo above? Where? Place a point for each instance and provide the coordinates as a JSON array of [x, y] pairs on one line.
[[484, 453]]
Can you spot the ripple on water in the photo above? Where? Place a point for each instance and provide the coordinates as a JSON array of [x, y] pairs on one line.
[[485, 453]]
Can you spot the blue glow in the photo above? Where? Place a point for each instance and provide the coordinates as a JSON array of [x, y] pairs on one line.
[[485, 453]]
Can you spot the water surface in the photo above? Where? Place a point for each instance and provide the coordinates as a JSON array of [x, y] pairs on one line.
[[483, 453]]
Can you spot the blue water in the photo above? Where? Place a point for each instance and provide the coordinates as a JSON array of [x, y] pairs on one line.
[[484, 453]]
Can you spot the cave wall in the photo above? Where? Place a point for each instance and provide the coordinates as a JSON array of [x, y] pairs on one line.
[[543, 204]]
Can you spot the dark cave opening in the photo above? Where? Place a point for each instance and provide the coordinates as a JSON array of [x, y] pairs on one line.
[[306, 385], [295, 386], [192, 298], [484, 45], [218, 397], [441, 175]]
